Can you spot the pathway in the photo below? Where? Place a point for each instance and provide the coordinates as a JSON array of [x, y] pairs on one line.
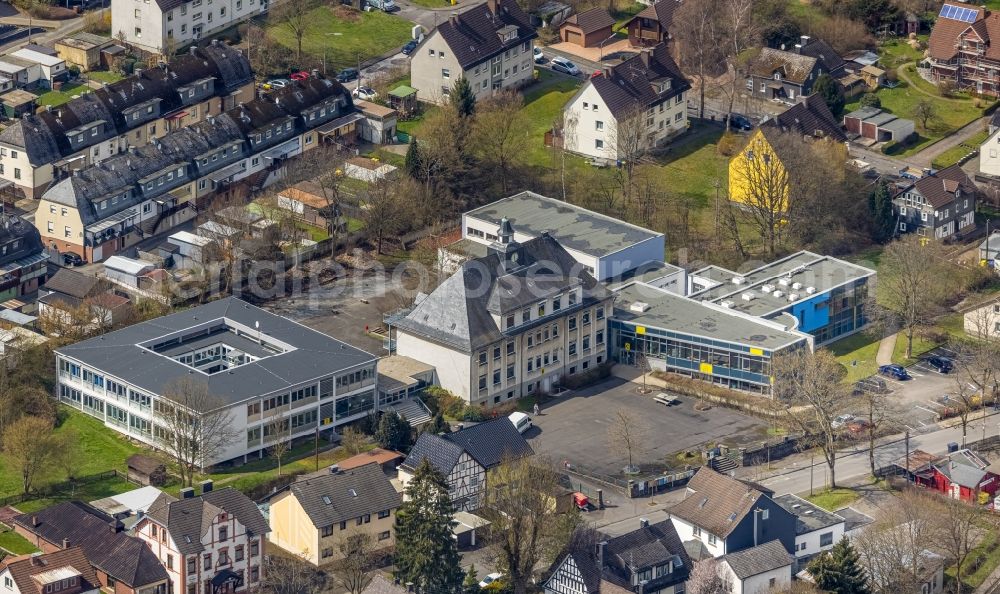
[[901, 71], [885, 349], [925, 157]]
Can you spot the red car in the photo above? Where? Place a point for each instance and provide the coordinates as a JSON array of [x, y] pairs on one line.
[[299, 75]]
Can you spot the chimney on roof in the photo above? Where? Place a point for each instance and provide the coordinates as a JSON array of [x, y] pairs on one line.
[[187, 493], [453, 19], [65, 543], [34, 521], [334, 469], [607, 71], [137, 72], [645, 54], [116, 526], [600, 553], [206, 486], [492, 5], [804, 40], [193, 49], [798, 48], [315, 72], [643, 523], [48, 108], [215, 43], [409, 586]]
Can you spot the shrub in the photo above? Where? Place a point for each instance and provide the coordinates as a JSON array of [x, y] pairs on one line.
[[586, 378], [474, 413], [729, 144], [946, 88], [442, 401], [870, 100]]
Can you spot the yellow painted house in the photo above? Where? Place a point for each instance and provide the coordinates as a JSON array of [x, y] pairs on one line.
[[315, 515], [756, 169]]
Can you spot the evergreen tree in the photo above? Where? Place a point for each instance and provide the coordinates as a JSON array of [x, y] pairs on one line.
[[471, 583], [462, 98], [839, 570], [437, 425], [827, 88], [882, 216], [393, 432], [413, 163], [426, 554]]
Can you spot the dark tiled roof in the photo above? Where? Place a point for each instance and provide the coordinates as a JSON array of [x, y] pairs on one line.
[[943, 42], [123, 557], [758, 560], [939, 189], [492, 442], [806, 118], [72, 283], [381, 585], [793, 67], [808, 517], [828, 59], [653, 544], [473, 35], [187, 520], [460, 312], [23, 569], [14, 228], [716, 502], [350, 493], [441, 453], [631, 85], [591, 20], [662, 12]]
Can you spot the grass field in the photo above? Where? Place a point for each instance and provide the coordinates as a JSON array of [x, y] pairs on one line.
[[952, 155], [834, 499], [15, 543], [857, 354], [55, 98], [342, 35], [104, 76]]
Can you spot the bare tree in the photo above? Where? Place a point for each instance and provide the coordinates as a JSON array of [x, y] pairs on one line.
[[283, 446], [892, 548], [627, 435], [913, 283], [980, 352], [926, 112], [523, 492], [29, 446], [358, 557], [500, 134], [195, 426], [706, 579], [294, 16], [964, 400], [765, 185], [808, 385], [739, 32], [383, 209], [628, 139], [878, 414], [697, 39], [353, 441], [291, 574], [958, 528]]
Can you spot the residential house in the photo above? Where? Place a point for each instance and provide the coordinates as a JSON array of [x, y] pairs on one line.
[[278, 380], [651, 26], [82, 49], [757, 570], [778, 138], [828, 59], [379, 125], [465, 457], [103, 209], [495, 331], [960, 49], [649, 560], [881, 126], [940, 205], [606, 247], [782, 75], [60, 572], [22, 258], [310, 202], [816, 529], [965, 475], [640, 101], [721, 515], [984, 320], [123, 563], [49, 68], [489, 45], [39, 148], [162, 26], [589, 28], [989, 151], [210, 544], [314, 516], [873, 76], [69, 294]]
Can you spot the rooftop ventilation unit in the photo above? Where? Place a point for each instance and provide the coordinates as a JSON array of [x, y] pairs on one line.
[[793, 296], [639, 306], [767, 288], [738, 280], [726, 304], [784, 281], [796, 286], [748, 296], [778, 294], [810, 290]]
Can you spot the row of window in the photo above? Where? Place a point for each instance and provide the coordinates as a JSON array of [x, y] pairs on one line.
[[326, 531]]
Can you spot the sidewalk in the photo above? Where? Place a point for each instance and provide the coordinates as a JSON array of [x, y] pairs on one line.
[[885, 349]]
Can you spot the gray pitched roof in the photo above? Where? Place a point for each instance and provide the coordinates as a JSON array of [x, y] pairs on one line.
[[333, 498], [758, 560], [808, 517], [72, 283], [828, 58], [793, 67], [940, 188], [489, 443], [716, 502], [442, 454], [808, 117], [187, 520], [459, 312], [473, 35], [14, 228], [592, 20], [314, 354]]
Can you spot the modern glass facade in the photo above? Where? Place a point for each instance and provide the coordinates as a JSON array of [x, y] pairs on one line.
[[833, 314]]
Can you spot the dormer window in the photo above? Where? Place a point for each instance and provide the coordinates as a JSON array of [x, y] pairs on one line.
[[777, 76]]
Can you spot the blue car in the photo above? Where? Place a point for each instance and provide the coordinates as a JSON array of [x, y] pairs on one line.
[[409, 47], [894, 371]]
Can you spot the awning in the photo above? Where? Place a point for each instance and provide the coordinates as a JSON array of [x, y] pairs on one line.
[[340, 122], [224, 577], [283, 150], [227, 172], [24, 263], [176, 116], [113, 220]]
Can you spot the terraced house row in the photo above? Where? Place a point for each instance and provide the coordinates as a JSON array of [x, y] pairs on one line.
[[108, 206]]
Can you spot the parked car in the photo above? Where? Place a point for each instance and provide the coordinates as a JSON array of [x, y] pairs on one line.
[[538, 55], [384, 5], [857, 426], [561, 64], [347, 75], [299, 75], [71, 259], [841, 420], [276, 83], [409, 47], [740, 122], [521, 421], [490, 579], [366, 93], [873, 384], [894, 371], [941, 364]]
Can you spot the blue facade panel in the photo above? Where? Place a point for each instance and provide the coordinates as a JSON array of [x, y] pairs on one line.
[[812, 314]]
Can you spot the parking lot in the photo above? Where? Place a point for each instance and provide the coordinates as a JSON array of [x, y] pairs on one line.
[[574, 428]]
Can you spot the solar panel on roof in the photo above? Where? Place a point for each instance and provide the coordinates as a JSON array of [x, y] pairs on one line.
[[959, 13]]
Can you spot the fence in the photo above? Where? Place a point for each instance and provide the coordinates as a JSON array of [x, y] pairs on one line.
[[635, 487], [61, 487]]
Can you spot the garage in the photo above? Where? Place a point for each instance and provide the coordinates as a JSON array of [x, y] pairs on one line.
[[587, 29]]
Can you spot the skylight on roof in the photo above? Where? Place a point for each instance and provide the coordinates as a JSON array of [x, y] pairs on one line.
[[326, 500], [352, 492], [732, 516]]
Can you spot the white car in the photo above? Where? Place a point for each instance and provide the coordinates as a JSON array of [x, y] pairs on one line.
[[539, 56], [489, 579], [560, 64], [841, 420], [366, 93]]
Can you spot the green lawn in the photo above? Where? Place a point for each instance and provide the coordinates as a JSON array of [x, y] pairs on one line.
[[543, 108], [693, 164], [15, 543], [952, 155], [54, 98], [990, 551], [857, 354], [920, 346], [834, 499], [104, 76], [897, 52], [342, 35]]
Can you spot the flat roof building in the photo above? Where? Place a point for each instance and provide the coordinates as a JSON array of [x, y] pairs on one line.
[[252, 363], [607, 246]]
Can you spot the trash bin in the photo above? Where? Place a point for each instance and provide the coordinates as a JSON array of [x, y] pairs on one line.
[[952, 447]]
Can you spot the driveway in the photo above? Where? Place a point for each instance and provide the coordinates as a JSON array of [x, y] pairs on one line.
[[574, 429]]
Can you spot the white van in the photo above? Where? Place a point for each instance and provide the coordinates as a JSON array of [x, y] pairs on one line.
[[522, 422]]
